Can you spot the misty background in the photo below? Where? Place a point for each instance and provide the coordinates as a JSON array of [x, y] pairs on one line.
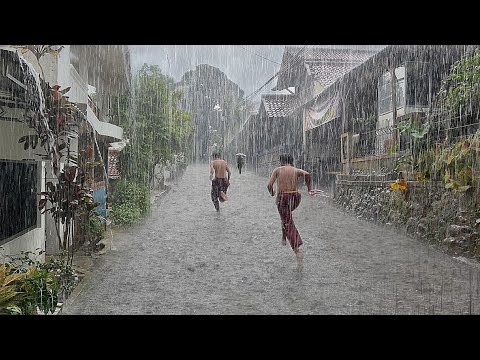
[[249, 66]]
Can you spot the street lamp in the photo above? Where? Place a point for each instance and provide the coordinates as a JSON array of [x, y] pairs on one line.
[[218, 109]]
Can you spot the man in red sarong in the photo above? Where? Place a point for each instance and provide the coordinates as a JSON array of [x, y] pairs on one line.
[[288, 199]]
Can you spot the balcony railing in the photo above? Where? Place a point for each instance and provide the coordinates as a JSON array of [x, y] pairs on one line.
[[94, 107]]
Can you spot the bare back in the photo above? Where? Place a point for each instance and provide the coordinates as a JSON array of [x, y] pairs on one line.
[[287, 178], [220, 168]]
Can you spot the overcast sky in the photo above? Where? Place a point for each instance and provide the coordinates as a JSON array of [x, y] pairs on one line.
[[249, 66]]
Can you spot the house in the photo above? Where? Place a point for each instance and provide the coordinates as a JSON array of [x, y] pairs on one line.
[[106, 72], [405, 161], [369, 140], [310, 70], [22, 170], [26, 75], [305, 73], [275, 131]]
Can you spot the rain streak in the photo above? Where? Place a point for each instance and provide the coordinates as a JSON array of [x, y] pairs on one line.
[[239, 179]]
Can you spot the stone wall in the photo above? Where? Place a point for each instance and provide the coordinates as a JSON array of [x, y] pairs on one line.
[[428, 212]]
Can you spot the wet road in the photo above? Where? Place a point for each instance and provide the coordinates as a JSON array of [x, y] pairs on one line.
[[187, 259]]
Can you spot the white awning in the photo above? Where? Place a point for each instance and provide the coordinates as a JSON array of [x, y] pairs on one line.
[[104, 128]]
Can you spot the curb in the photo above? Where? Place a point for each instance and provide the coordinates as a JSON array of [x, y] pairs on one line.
[[86, 274]]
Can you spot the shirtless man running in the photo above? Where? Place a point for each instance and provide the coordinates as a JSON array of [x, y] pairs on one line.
[[288, 199], [220, 176]]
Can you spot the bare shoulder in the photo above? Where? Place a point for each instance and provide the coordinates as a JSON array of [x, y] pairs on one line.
[[301, 172]]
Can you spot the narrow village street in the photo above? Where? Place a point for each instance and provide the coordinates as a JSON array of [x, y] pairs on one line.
[[187, 259]]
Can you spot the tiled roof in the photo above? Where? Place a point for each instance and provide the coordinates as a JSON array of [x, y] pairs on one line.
[[326, 73], [326, 64], [276, 105], [326, 53]]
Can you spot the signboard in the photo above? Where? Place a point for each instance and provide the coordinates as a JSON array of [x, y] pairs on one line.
[[113, 169]]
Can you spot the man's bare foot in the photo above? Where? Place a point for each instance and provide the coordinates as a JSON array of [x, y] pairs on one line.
[[223, 196], [299, 254]]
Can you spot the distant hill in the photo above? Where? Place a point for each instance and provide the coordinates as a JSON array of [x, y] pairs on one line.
[[201, 90]]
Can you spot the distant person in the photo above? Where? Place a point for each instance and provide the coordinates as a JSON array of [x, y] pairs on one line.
[[288, 199], [240, 163], [220, 177]]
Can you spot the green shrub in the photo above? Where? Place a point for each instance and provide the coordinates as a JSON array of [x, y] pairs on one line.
[[40, 290], [137, 195], [65, 275], [131, 201], [123, 214], [96, 228]]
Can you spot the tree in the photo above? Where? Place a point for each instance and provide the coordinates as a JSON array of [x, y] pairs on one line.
[[460, 91], [156, 128]]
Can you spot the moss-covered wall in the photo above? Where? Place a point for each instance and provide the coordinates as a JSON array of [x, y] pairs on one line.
[[429, 212]]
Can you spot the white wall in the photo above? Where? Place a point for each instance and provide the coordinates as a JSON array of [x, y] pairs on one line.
[[58, 71], [11, 149], [63, 68], [30, 241], [69, 77], [48, 64]]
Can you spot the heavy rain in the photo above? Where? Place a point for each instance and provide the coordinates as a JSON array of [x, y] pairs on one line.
[[239, 179]]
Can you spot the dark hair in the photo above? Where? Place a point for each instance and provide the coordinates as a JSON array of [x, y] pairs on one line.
[[286, 159], [216, 155]]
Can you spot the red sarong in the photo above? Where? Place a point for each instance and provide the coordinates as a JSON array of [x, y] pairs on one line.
[[286, 203]]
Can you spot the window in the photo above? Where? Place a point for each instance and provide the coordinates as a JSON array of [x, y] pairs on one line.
[[419, 81], [18, 196], [385, 91]]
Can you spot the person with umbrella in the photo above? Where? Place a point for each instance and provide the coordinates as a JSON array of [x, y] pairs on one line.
[[240, 161]]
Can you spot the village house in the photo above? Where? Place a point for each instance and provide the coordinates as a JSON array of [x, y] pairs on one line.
[[368, 115], [24, 80], [304, 73]]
